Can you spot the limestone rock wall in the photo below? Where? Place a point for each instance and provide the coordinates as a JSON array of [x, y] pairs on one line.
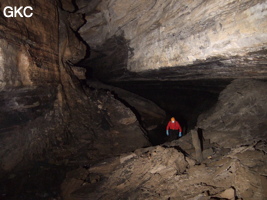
[[171, 33], [239, 115], [29, 53], [29, 80], [44, 110]]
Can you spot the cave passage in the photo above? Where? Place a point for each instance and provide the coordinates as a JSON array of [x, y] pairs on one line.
[[87, 88], [184, 100]]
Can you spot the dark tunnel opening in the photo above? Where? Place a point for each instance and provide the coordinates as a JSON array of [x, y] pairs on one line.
[[183, 97], [184, 100]]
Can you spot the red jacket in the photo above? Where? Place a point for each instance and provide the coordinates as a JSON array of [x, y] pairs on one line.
[[174, 126]]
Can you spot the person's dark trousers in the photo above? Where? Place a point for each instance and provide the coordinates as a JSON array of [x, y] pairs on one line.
[[173, 135]]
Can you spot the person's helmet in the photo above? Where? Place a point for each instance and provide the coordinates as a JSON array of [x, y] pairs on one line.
[[172, 119]]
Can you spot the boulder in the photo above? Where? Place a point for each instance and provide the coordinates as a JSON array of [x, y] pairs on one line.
[[239, 117], [150, 115]]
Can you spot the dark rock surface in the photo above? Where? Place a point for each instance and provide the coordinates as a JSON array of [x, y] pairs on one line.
[[45, 111], [149, 113], [29, 80], [233, 166], [28, 56], [244, 113], [185, 100], [47, 116]]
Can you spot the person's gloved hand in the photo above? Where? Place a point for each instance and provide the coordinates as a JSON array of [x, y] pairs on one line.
[[180, 134], [167, 132]]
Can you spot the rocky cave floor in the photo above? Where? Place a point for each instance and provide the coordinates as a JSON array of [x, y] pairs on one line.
[[167, 171], [233, 167]]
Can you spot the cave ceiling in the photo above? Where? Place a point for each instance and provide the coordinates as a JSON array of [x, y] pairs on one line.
[[174, 40]]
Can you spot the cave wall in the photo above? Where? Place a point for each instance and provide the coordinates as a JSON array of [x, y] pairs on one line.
[[239, 115], [227, 39], [29, 53], [29, 80], [46, 114]]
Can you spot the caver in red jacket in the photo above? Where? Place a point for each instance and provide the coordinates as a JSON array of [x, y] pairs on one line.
[[174, 126]]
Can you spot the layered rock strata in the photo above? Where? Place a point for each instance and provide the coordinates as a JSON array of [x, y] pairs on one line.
[[225, 39], [45, 112], [29, 82]]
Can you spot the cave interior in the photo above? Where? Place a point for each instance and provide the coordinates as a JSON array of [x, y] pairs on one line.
[[87, 88]]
